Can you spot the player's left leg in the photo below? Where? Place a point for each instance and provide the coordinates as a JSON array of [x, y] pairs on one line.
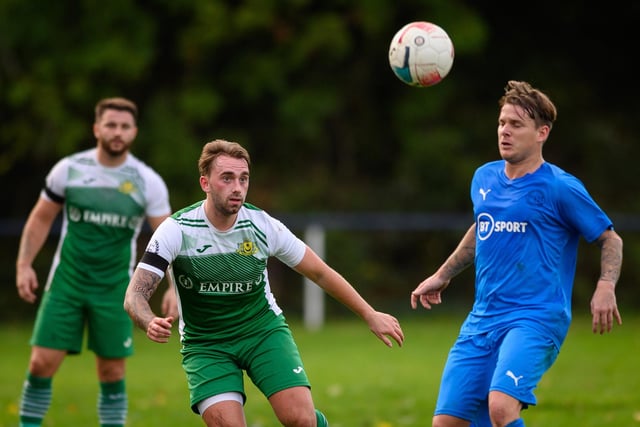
[[110, 333], [321, 420], [275, 367], [504, 409], [525, 353], [294, 407], [112, 398]]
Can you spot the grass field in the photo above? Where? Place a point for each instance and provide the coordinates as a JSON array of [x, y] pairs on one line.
[[357, 381]]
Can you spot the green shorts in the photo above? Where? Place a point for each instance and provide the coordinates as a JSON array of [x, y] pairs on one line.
[[60, 323], [271, 360]]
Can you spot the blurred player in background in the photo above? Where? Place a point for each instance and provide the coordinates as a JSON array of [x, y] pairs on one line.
[[230, 321], [105, 194], [530, 216]]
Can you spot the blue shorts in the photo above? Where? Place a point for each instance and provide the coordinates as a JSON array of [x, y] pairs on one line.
[[511, 360]]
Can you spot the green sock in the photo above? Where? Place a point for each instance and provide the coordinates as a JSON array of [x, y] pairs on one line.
[[112, 404], [321, 420], [36, 399]]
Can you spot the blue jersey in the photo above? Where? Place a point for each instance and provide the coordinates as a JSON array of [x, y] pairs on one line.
[[527, 235]]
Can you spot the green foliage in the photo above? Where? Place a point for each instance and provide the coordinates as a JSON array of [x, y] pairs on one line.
[[306, 86], [291, 80]]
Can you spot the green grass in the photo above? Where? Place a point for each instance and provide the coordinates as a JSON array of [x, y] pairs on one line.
[[357, 381]]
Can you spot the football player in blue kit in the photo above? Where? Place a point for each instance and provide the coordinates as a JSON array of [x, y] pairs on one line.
[[529, 217]]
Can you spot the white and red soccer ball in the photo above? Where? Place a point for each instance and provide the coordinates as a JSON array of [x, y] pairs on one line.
[[421, 54]]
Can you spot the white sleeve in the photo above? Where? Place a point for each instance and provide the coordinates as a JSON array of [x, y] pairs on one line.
[[163, 247], [156, 195], [288, 248], [56, 182]]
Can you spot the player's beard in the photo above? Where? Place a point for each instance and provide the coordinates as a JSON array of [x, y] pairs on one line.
[[115, 147], [225, 208]]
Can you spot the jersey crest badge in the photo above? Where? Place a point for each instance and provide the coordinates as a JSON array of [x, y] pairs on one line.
[[247, 248], [127, 187]]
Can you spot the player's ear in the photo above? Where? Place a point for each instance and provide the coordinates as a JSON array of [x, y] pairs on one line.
[[204, 184], [543, 133]]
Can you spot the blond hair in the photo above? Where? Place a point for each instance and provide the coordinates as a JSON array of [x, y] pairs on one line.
[[212, 150]]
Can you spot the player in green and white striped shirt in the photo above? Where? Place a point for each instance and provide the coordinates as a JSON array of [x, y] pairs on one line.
[[105, 194], [229, 319]]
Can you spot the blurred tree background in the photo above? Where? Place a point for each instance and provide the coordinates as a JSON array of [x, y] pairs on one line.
[[305, 85]]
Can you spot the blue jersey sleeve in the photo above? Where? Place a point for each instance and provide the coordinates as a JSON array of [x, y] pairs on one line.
[[579, 210]]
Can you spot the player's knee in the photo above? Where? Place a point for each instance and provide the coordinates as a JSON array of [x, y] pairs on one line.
[[42, 366], [448, 421], [110, 370], [294, 407], [503, 409], [298, 417]]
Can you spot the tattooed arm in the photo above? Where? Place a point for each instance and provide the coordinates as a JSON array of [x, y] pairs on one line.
[[136, 303], [430, 289], [604, 308]]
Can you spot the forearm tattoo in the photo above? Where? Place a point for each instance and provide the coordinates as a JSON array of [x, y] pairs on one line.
[[143, 285], [460, 259], [464, 254], [611, 258]]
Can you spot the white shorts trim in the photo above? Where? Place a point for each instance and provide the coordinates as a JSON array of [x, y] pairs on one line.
[[209, 401]]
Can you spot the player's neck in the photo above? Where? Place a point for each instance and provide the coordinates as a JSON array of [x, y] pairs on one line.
[[109, 160], [520, 169], [220, 221]]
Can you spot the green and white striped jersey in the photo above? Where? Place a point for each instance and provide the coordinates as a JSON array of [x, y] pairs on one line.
[[221, 276], [103, 212]]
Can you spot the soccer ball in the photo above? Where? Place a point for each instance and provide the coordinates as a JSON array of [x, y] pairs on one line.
[[421, 54]]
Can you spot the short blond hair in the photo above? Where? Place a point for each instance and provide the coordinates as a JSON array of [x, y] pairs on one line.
[[212, 150]]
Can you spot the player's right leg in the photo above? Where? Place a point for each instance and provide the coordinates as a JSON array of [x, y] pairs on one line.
[[462, 398], [216, 385], [36, 389], [44, 362], [58, 330]]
